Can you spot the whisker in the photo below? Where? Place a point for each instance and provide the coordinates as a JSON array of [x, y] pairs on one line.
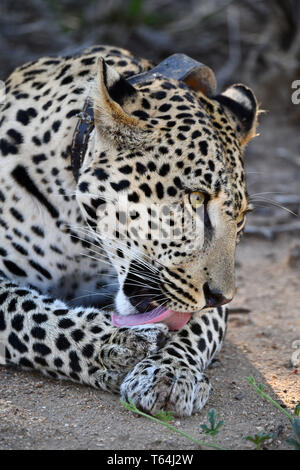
[[273, 203]]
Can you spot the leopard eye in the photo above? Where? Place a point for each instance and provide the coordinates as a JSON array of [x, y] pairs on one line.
[[196, 199]]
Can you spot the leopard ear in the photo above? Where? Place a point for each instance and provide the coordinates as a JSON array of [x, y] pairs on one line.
[[111, 96], [243, 108]]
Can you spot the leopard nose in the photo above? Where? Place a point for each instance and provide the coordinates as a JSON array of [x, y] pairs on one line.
[[213, 297]]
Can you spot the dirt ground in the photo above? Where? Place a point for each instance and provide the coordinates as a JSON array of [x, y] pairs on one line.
[[39, 413]]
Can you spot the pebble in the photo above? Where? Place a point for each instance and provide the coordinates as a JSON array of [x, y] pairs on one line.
[[239, 396]]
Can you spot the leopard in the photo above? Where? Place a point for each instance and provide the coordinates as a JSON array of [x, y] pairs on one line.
[[118, 275]]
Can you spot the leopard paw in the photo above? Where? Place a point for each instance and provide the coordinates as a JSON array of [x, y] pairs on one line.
[[152, 386], [128, 346]]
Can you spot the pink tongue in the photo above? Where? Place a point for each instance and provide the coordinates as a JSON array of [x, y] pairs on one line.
[[174, 320]]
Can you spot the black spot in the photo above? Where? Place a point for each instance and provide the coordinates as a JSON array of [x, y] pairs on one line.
[[88, 350], [60, 312], [67, 80], [21, 292], [41, 157], [146, 189], [202, 344], [3, 252], [56, 125], [140, 168], [40, 269], [126, 169], [73, 375], [74, 362], [36, 141], [12, 306], [216, 324], [77, 335], [100, 174], [38, 231], [15, 342], [15, 135], [38, 333], [65, 323], [14, 269], [159, 190], [211, 165], [133, 197], [73, 113], [46, 137], [158, 95], [196, 329], [88, 61], [171, 191], [164, 108], [83, 187], [47, 105], [62, 343], [196, 134], [23, 179], [209, 336], [173, 352], [145, 103], [97, 202], [17, 322], [41, 361], [203, 146], [3, 297], [28, 305], [24, 116], [2, 321], [58, 362], [177, 182], [96, 330], [20, 249], [208, 177], [123, 184], [163, 150], [39, 317], [41, 348], [24, 362], [7, 148], [141, 114], [164, 170]]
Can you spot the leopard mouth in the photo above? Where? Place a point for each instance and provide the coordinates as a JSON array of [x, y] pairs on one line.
[[174, 320], [145, 300]]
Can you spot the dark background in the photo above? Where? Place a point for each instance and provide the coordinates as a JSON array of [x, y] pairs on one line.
[[256, 41]]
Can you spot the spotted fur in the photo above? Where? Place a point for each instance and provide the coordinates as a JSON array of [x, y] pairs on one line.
[[153, 145]]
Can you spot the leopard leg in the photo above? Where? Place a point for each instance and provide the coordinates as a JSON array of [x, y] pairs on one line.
[[173, 377], [38, 332]]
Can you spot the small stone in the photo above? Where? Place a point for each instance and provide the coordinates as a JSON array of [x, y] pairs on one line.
[[294, 256], [215, 363], [239, 396]]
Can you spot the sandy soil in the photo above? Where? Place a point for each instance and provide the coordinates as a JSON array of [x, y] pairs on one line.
[[39, 413]]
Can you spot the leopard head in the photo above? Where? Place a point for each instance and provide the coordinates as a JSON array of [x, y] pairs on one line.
[[163, 184]]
